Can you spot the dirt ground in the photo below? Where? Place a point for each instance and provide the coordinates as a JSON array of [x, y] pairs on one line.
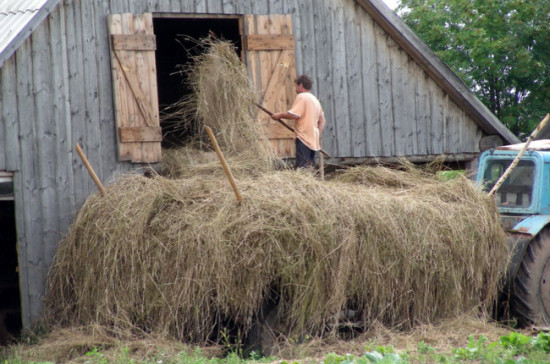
[[71, 345]]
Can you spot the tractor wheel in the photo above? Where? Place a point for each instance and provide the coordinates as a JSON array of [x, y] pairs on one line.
[[531, 289]]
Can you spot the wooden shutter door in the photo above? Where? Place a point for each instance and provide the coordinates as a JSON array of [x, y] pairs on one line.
[[135, 87], [269, 56]]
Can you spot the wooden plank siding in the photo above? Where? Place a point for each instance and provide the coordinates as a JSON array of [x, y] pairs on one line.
[[56, 90], [369, 67], [10, 126], [356, 111], [30, 227], [75, 69], [385, 48], [340, 73], [323, 85], [45, 160], [64, 175]]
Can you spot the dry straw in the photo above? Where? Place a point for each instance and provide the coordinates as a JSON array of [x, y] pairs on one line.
[[178, 257], [222, 98]]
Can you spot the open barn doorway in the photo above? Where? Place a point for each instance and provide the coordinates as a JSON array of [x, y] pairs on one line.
[[10, 298], [177, 43]]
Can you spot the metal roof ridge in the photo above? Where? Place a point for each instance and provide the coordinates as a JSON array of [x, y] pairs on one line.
[[8, 12], [31, 18]]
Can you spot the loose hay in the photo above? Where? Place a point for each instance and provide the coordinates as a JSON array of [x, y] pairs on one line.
[[79, 344], [179, 257], [222, 98], [71, 345]]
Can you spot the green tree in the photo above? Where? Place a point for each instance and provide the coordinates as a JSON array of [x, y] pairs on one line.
[[499, 48]]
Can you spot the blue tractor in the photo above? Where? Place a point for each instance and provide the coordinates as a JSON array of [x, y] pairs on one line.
[[523, 201]]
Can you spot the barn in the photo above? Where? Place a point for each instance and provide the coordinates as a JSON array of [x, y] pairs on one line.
[[98, 73]]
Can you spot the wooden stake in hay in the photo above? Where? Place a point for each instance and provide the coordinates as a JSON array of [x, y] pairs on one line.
[[223, 98], [177, 257]]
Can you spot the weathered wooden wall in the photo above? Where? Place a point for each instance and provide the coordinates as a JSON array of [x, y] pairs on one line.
[[56, 91]]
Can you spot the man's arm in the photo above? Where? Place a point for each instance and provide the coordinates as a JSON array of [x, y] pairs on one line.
[[284, 115], [321, 124]]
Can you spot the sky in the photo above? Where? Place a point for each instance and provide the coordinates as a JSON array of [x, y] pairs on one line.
[[392, 4]]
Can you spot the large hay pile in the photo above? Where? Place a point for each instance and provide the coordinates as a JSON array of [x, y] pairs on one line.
[[180, 257]]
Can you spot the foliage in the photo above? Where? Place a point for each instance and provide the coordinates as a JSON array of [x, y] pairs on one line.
[[499, 48], [450, 174]]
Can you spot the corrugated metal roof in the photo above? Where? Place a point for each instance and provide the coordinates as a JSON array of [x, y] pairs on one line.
[[18, 18], [543, 144]]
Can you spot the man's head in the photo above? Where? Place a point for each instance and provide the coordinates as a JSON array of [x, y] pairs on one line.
[[303, 83]]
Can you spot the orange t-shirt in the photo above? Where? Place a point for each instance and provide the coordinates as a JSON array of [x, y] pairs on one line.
[[308, 110]]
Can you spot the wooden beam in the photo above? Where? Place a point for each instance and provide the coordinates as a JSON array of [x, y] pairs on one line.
[[447, 158], [284, 63], [134, 42], [269, 42], [140, 134], [130, 74]]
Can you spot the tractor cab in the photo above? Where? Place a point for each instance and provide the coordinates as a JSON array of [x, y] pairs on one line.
[[526, 192]]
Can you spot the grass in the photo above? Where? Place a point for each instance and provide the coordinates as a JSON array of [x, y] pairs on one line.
[[451, 174], [514, 347]]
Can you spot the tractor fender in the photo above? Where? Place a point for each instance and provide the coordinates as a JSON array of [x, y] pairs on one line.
[[518, 239], [531, 225]]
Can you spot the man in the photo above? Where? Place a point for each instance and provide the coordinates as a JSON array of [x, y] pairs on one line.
[[309, 122]]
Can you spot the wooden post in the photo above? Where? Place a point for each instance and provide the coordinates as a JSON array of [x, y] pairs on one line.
[[514, 163], [224, 164], [90, 170], [321, 165]]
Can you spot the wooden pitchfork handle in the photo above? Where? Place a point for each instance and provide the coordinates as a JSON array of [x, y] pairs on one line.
[[287, 126]]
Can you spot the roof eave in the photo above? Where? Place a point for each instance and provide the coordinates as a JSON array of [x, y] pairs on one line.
[[394, 26]]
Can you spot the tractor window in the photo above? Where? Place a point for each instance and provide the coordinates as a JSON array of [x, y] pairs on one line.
[[516, 191]]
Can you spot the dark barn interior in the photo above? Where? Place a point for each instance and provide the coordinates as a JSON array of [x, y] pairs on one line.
[[10, 298], [178, 41]]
